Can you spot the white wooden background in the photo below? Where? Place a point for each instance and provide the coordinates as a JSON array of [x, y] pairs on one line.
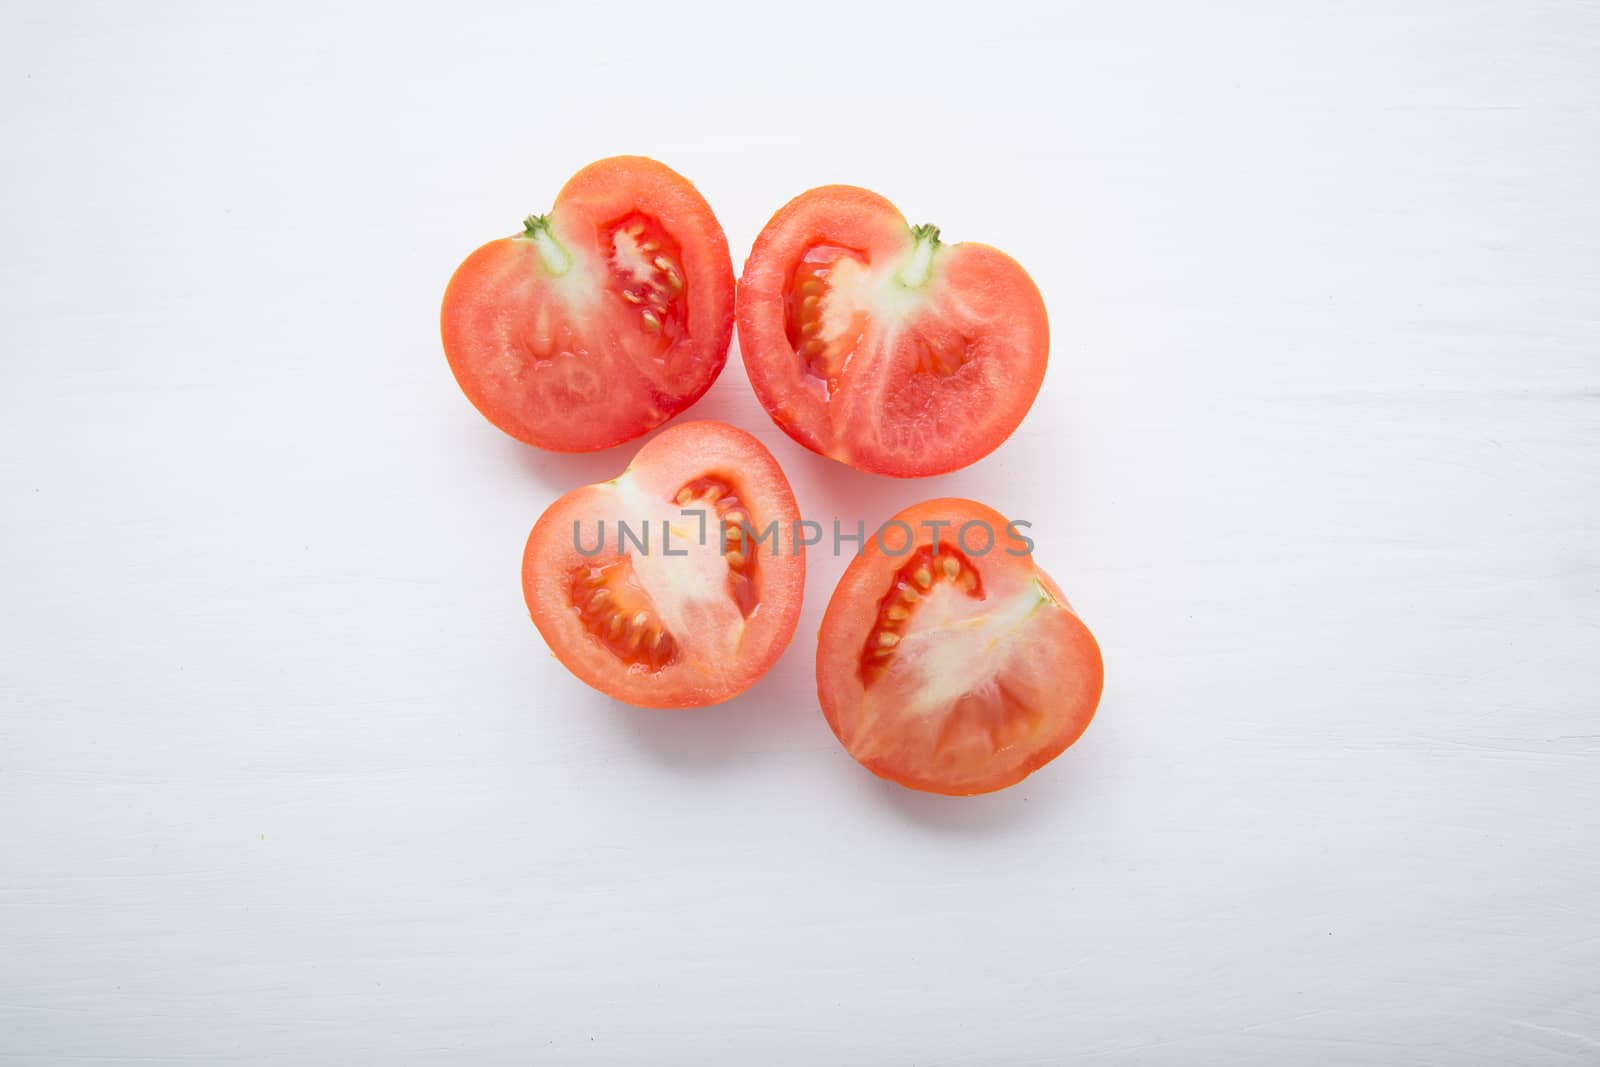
[[286, 775]]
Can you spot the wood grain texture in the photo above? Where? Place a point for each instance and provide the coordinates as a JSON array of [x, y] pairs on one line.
[[286, 775]]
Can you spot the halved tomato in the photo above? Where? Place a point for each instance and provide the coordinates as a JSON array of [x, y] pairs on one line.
[[678, 582], [947, 661], [602, 319], [870, 341]]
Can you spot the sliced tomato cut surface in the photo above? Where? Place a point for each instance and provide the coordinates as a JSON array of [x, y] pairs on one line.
[[955, 666], [601, 319], [871, 341], [678, 583]]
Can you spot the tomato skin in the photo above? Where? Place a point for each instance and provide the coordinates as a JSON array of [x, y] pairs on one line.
[[540, 331], [720, 651], [1044, 660], [882, 404]]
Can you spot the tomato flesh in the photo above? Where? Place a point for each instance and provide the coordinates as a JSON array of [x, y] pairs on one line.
[[698, 599], [950, 667], [600, 320], [871, 341]]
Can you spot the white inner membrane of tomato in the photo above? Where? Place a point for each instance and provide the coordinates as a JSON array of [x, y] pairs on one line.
[[840, 307], [946, 651], [650, 608]]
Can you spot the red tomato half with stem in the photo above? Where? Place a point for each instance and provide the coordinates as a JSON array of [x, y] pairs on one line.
[[601, 319], [678, 582], [871, 341], [948, 661]]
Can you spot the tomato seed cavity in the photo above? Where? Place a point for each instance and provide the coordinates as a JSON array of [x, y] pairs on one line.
[[647, 269], [718, 495], [915, 578], [617, 612], [803, 304]]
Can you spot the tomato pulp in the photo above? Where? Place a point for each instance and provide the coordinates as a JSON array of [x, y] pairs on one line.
[[700, 595], [602, 319], [870, 341], [955, 666]]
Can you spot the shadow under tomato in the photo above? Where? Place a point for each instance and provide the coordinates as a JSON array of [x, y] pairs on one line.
[[559, 472], [691, 739], [1041, 796], [734, 732], [829, 489]]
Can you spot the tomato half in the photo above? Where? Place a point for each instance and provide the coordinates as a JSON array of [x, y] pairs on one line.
[[678, 582], [602, 319], [956, 665], [870, 341]]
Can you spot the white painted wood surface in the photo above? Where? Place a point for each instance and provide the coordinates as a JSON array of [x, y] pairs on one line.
[[285, 774]]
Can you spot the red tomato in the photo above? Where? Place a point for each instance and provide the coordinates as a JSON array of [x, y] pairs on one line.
[[697, 596], [955, 666], [602, 319], [871, 342]]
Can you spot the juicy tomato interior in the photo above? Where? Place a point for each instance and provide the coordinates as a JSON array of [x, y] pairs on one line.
[[603, 318], [646, 271], [958, 666], [679, 582], [871, 341]]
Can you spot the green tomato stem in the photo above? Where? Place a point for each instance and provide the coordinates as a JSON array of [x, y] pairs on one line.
[[919, 268], [555, 259]]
